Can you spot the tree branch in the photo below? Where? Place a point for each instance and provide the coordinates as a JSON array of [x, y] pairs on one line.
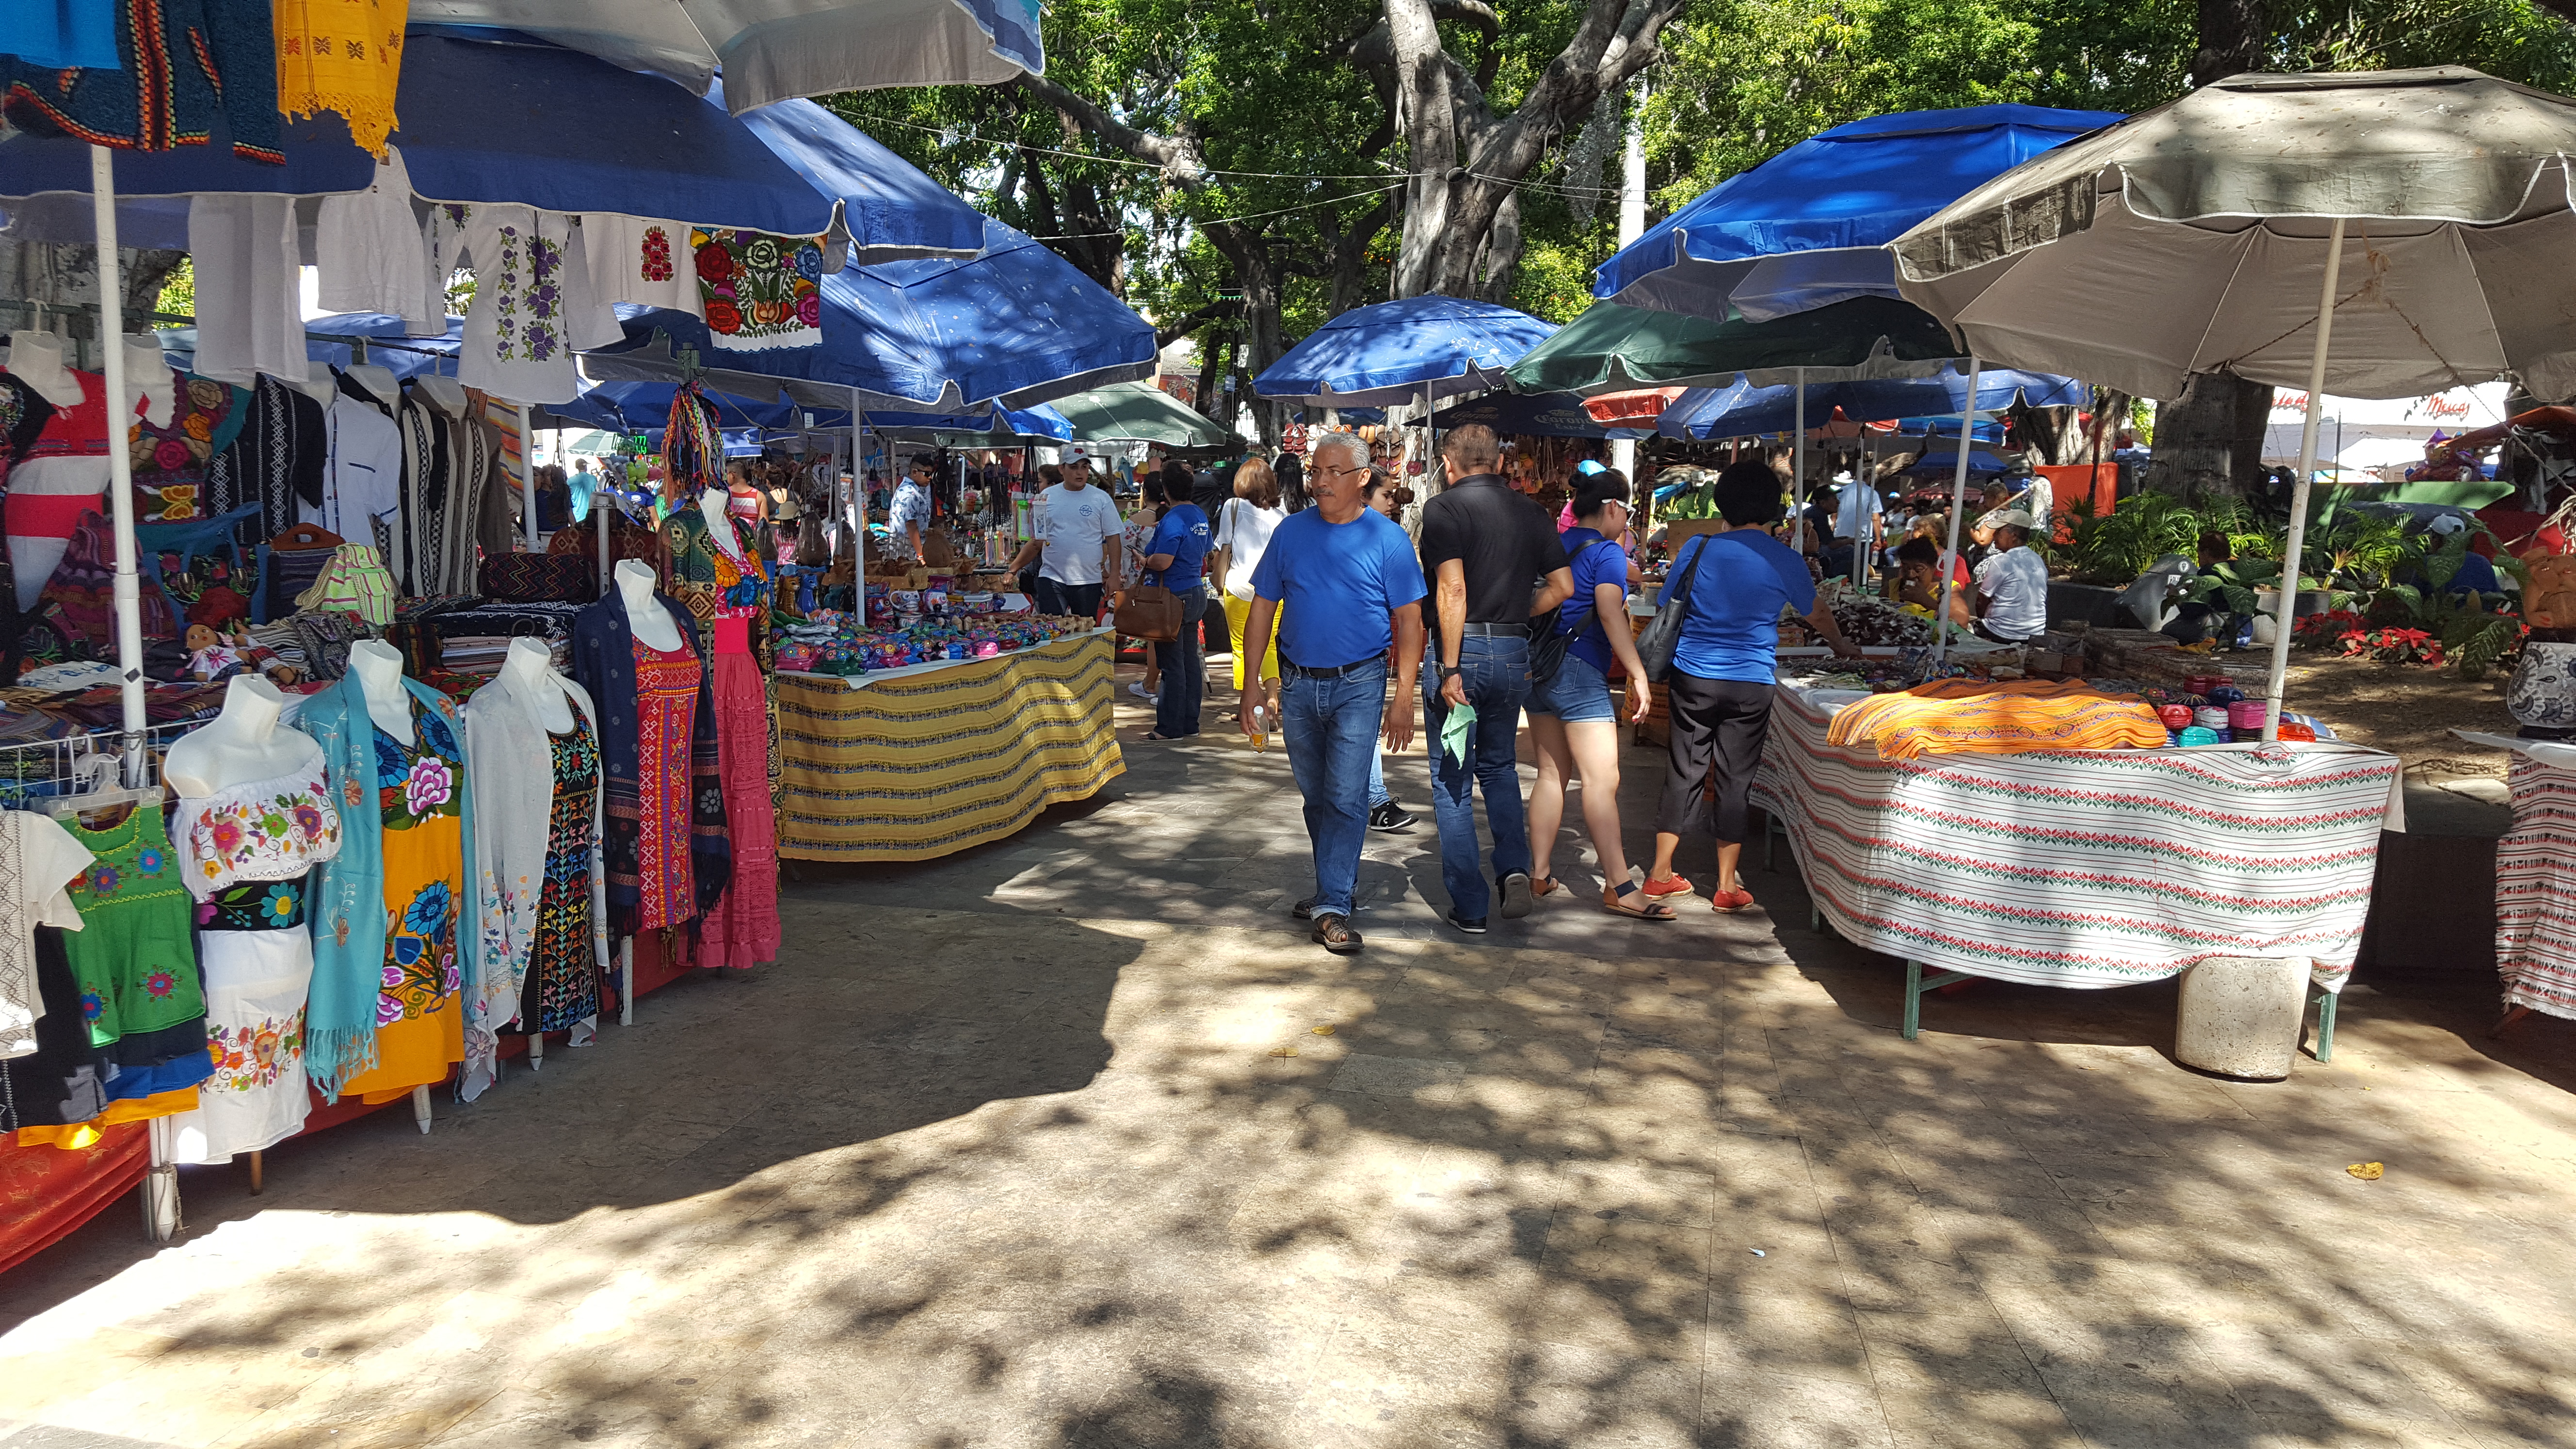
[[1179, 156], [1196, 318]]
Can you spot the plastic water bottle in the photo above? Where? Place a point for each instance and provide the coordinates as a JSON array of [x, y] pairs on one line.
[[1260, 728]]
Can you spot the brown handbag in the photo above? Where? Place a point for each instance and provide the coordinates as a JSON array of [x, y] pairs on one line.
[[1150, 611]]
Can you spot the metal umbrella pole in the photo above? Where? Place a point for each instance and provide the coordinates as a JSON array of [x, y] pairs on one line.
[[161, 1183], [1798, 472], [1958, 505], [2286, 606]]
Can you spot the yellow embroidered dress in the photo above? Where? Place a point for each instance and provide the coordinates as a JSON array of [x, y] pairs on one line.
[[420, 1016]]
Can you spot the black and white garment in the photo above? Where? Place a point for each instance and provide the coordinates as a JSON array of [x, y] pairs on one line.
[[278, 457], [447, 466]]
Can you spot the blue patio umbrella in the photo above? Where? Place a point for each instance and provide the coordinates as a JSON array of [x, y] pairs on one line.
[[1810, 226], [1533, 415], [1981, 464], [485, 118], [996, 426], [892, 210], [1741, 410], [1018, 324], [1409, 350], [1985, 432]]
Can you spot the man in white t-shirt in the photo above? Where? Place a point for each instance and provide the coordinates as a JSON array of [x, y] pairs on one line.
[[2012, 584], [1079, 531], [1856, 518], [909, 511]]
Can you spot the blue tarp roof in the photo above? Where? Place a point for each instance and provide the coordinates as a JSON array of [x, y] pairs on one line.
[[1018, 323], [1808, 226], [1390, 352], [1740, 410]]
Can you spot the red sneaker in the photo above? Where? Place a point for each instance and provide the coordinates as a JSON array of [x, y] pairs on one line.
[[1675, 884], [1727, 903]]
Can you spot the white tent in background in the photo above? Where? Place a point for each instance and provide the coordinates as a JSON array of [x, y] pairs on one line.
[[2357, 432]]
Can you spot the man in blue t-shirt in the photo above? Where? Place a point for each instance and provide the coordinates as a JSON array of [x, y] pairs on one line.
[[1173, 559], [1723, 669], [1347, 578]]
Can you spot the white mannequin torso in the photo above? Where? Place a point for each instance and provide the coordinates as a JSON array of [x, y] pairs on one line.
[[147, 376], [715, 505], [529, 675], [241, 746], [443, 393], [378, 381], [378, 666], [645, 616], [317, 384], [36, 359]]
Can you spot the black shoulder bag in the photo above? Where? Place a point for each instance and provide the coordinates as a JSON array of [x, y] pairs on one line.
[[1660, 637], [1547, 646]]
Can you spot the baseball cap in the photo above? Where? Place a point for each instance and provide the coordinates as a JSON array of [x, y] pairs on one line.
[[2009, 518], [1590, 466], [1076, 454], [2446, 524]]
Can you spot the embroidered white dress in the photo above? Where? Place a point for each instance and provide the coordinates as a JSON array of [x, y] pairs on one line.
[[533, 305], [38, 859], [245, 853], [644, 263]]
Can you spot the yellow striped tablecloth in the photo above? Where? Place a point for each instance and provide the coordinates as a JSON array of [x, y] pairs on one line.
[[927, 764]]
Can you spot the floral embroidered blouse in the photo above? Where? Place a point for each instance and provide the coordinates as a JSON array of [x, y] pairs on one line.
[[267, 830]]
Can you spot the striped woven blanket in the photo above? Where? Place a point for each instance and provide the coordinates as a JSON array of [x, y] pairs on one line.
[[2081, 868], [2536, 890]]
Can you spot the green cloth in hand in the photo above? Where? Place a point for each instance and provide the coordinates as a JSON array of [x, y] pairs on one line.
[[1454, 730]]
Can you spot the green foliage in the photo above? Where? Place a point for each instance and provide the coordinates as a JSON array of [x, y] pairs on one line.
[[179, 290], [2115, 547]]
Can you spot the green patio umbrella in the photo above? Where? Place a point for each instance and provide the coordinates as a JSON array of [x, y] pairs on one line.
[[1138, 412], [1611, 348]]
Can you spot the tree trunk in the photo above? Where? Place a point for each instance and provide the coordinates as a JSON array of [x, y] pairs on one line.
[[2210, 440], [2231, 40], [2053, 433], [1503, 251], [1427, 114]]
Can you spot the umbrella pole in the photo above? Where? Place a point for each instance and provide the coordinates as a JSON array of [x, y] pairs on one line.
[[528, 473], [1798, 472], [1958, 505], [2286, 600], [161, 1184]]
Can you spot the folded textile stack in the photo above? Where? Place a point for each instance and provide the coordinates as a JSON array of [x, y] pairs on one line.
[[1967, 716]]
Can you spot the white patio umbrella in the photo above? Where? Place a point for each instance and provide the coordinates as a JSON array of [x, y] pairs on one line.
[[2372, 234]]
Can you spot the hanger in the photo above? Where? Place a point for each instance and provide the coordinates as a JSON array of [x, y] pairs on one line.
[[90, 775], [304, 536]]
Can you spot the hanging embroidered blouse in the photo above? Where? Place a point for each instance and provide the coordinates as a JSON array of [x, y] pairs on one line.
[[268, 830], [169, 463], [533, 304], [38, 860], [759, 291], [716, 582], [134, 960]]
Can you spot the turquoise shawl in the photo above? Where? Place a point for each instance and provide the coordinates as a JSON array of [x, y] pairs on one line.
[[347, 902]]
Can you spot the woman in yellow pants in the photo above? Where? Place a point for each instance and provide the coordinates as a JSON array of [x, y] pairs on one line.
[[1242, 533]]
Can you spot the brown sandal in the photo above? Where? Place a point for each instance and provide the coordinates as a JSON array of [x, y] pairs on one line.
[[1615, 901], [1542, 886]]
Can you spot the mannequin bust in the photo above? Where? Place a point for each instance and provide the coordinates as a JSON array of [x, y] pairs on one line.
[[645, 616], [241, 746], [443, 393], [36, 359], [378, 666], [317, 383], [529, 674], [148, 376], [714, 505], [379, 382]]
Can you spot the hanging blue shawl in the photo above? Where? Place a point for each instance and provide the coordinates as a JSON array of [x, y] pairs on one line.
[[348, 899]]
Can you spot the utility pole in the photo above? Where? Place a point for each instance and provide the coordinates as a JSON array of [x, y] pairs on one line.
[[1632, 224]]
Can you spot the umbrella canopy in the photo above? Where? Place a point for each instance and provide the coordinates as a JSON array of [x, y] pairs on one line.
[[1613, 348], [891, 209], [1017, 323], [1981, 464], [770, 50], [1138, 412], [1400, 351], [1742, 410], [2196, 235], [484, 119], [1808, 226], [991, 427], [1536, 415]]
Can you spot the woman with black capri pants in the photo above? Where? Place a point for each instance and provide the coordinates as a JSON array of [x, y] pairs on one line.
[[1723, 667]]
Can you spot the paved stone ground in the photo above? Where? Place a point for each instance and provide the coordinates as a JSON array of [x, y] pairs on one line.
[[1075, 1141]]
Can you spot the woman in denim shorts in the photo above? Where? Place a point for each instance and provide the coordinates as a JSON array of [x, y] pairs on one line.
[[1571, 713]]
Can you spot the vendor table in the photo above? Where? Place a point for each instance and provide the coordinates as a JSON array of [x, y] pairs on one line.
[[2081, 868], [925, 761]]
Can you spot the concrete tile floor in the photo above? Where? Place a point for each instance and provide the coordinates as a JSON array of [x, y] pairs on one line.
[[1076, 1141]]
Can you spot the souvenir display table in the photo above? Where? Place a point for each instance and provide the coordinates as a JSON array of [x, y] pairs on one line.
[[925, 760], [2081, 868]]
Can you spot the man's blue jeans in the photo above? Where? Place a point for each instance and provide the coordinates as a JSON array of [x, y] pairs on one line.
[[1330, 727], [1495, 671]]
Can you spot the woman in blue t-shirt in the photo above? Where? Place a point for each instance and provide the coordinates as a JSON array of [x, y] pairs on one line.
[[1572, 719], [1723, 669]]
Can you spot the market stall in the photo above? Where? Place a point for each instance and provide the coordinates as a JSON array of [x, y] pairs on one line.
[[921, 761], [2106, 864], [2535, 879]]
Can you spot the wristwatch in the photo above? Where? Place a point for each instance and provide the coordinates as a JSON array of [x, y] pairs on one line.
[[1448, 672]]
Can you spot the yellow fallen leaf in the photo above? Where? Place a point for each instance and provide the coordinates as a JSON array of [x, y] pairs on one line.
[[1286, 1051], [2367, 1171], [1323, 1031]]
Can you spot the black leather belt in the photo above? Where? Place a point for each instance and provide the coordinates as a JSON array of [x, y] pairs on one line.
[[1493, 631], [1354, 667]]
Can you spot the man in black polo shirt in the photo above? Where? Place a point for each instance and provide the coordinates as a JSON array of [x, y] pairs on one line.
[[1493, 560]]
